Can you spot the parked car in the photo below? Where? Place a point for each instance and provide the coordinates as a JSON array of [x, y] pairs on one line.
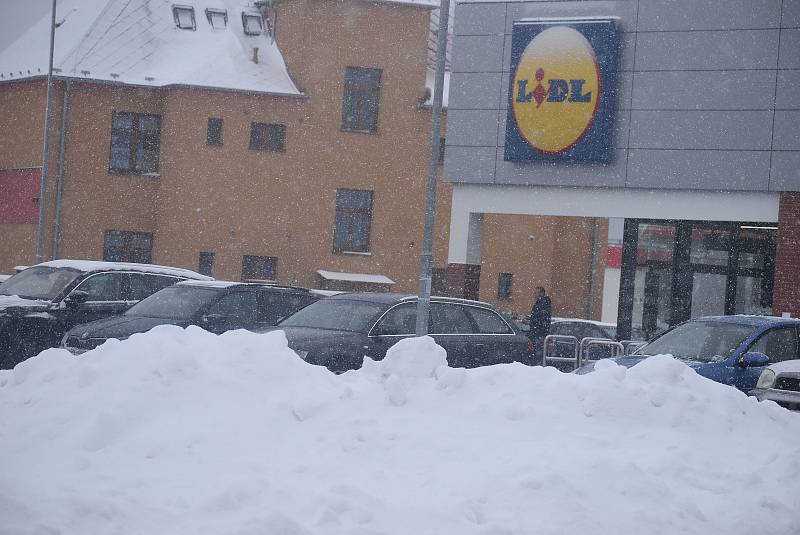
[[39, 304], [216, 306], [728, 349], [780, 383], [338, 332]]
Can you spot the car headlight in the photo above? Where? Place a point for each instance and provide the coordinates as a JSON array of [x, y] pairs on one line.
[[766, 380]]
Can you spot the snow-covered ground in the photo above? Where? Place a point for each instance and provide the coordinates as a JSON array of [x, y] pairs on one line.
[[183, 432]]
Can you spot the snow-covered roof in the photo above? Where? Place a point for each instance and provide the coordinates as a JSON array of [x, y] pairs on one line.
[[210, 283], [93, 265], [354, 277], [138, 42], [581, 320]]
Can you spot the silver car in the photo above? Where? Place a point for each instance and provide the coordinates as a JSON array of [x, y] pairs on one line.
[[780, 383]]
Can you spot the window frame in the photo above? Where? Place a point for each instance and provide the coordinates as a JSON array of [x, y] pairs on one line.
[[269, 129], [125, 287], [267, 260], [355, 100], [245, 16], [350, 246], [211, 11], [128, 239], [203, 258], [505, 283], [136, 137], [176, 9]]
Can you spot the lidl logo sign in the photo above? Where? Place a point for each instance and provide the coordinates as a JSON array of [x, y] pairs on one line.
[[562, 93]]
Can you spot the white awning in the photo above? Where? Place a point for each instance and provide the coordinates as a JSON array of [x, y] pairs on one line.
[[354, 277]]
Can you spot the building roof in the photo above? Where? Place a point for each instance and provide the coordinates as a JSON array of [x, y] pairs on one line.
[[138, 42]]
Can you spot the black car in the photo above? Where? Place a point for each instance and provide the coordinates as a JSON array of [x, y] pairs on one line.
[[340, 331], [216, 306], [39, 304]]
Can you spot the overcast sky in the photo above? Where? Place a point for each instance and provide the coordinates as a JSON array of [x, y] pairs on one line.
[[18, 15]]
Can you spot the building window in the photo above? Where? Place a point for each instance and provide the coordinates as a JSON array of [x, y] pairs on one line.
[[353, 221], [259, 268], [214, 133], [439, 281], [205, 264], [504, 282], [441, 151], [184, 17], [270, 137], [252, 24], [126, 246], [360, 101], [217, 18], [135, 143]]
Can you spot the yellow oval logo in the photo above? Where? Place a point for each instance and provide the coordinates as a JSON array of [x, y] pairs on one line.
[[556, 90]]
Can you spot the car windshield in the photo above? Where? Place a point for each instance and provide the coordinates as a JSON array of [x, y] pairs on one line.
[[337, 314], [704, 341], [39, 282], [174, 303]]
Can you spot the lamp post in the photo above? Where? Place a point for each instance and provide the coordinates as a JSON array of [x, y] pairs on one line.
[[426, 259], [46, 147]]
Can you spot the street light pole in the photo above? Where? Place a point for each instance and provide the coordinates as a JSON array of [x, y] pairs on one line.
[[426, 259], [46, 148]]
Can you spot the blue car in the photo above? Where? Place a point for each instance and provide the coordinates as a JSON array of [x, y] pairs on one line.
[[727, 349]]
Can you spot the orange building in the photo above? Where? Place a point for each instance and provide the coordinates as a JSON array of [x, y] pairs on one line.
[[283, 140]]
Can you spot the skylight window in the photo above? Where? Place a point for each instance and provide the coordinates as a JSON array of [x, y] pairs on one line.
[[217, 18], [184, 17], [252, 24]]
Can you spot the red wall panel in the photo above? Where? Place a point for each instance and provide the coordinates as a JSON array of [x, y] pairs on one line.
[[18, 190]]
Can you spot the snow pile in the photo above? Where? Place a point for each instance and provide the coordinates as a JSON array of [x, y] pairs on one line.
[[184, 432]]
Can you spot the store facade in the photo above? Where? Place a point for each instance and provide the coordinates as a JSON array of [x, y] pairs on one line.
[[678, 116]]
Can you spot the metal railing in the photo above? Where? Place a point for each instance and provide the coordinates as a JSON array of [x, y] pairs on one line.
[[584, 355], [554, 345], [564, 340], [632, 345]]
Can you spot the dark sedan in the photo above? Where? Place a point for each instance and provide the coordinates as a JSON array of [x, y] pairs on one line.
[[216, 306], [340, 331]]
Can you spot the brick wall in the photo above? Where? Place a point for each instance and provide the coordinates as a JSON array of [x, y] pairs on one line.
[[786, 296]]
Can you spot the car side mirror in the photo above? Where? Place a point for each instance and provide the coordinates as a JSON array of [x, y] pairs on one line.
[[753, 359], [76, 298]]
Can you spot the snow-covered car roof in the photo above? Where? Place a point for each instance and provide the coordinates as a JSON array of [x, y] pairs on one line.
[[787, 366], [94, 265], [580, 320]]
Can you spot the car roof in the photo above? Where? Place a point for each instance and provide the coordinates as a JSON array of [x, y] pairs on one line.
[[220, 285], [87, 266], [581, 320], [786, 366], [756, 321], [394, 298]]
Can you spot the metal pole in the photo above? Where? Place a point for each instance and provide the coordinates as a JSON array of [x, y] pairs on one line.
[[46, 148], [592, 271], [60, 180], [426, 259]]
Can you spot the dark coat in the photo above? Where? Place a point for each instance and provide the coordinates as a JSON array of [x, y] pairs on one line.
[[540, 317]]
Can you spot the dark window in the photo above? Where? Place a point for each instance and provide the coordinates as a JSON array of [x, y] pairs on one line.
[[778, 344], [449, 319], [104, 287], [265, 136], [135, 142], [124, 246], [205, 264], [504, 282], [214, 133], [241, 306], [360, 102], [184, 17], [441, 151], [259, 268], [488, 322], [274, 306], [353, 221], [439, 281], [401, 320], [145, 284]]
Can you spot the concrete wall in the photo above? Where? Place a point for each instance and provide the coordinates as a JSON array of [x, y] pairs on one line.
[[707, 95]]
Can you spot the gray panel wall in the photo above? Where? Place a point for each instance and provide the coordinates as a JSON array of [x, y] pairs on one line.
[[708, 95]]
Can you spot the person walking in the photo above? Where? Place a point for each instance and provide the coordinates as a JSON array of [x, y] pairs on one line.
[[539, 320]]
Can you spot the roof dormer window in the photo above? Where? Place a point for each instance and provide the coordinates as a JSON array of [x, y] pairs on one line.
[[217, 18], [184, 17], [252, 24]]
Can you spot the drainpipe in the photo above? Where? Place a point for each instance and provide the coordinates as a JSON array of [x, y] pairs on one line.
[[60, 180], [592, 274]]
